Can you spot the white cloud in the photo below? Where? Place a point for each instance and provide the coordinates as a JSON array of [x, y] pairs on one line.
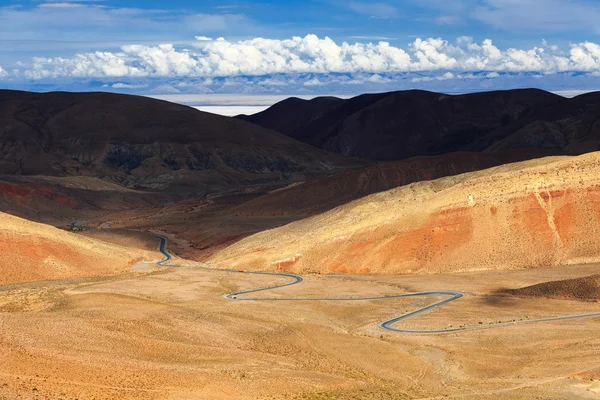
[[313, 82], [121, 85], [3, 73], [311, 54], [61, 5], [97, 64], [446, 76]]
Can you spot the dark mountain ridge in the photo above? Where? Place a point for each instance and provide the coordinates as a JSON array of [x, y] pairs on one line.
[[145, 143], [404, 124]]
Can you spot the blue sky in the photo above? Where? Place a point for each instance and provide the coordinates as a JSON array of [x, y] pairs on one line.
[[306, 46]]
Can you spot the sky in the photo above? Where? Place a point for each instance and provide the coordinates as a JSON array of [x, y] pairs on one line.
[[298, 47]]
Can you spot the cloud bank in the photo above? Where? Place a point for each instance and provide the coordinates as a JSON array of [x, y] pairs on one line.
[[310, 54]]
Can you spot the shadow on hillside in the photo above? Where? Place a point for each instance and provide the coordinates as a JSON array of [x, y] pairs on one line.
[[503, 297]]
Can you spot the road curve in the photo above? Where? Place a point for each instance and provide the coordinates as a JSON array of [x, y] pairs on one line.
[[388, 325]]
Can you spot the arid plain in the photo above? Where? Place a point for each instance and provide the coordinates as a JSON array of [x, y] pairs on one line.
[[171, 334]]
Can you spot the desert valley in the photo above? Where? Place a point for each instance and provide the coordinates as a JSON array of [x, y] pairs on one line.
[[402, 245]]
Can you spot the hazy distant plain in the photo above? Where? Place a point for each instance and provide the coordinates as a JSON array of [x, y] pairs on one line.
[[233, 104]]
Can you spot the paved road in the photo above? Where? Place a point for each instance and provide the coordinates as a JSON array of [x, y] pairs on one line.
[[388, 325]]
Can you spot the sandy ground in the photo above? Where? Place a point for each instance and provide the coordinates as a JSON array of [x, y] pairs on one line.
[[171, 335]]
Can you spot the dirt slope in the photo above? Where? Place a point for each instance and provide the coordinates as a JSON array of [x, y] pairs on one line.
[[323, 194], [32, 252], [399, 125], [61, 200], [523, 215], [218, 220], [586, 288]]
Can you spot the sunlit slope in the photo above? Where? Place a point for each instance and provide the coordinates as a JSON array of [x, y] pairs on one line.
[[523, 215], [30, 252]]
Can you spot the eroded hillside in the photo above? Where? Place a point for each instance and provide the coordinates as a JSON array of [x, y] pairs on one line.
[[34, 252], [524, 215]]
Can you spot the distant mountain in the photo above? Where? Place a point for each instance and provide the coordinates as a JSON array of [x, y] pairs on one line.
[[399, 125], [140, 142], [292, 114]]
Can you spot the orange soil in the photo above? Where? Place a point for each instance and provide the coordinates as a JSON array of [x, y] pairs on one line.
[[524, 215], [32, 252]]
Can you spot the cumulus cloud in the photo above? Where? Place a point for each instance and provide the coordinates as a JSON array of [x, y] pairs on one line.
[[311, 54], [3, 73]]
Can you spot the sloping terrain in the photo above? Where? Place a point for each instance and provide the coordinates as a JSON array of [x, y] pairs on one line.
[[524, 215], [34, 252], [61, 200], [586, 289], [140, 142], [323, 194], [398, 125], [227, 217]]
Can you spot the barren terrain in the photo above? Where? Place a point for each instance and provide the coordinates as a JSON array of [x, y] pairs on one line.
[[586, 288], [98, 309], [172, 335], [34, 252], [531, 214]]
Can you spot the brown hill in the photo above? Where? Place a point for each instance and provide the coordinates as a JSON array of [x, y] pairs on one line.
[[529, 214], [323, 194], [586, 289], [34, 252], [399, 125], [228, 217], [293, 113], [145, 143], [60, 200]]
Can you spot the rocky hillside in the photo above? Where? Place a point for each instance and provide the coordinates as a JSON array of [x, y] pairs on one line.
[[61, 200], [145, 143], [525, 215], [584, 289], [322, 194], [34, 252], [399, 125]]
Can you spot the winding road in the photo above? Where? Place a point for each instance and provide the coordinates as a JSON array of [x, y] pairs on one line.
[[388, 325]]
